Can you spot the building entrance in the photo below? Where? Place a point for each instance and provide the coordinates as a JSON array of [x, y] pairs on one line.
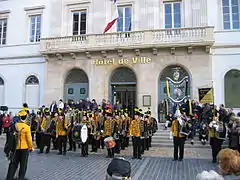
[[123, 87], [76, 85], [177, 89]]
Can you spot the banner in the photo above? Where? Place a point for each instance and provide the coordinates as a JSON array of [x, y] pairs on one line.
[[205, 95]]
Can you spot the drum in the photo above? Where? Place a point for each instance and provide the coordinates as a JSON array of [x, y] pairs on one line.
[[109, 142], [76, 133], [80, 133]]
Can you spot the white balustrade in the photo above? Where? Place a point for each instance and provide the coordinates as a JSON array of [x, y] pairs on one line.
[[138, 39]]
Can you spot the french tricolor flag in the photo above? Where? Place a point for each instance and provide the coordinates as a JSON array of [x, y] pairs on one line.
[[115, 18]]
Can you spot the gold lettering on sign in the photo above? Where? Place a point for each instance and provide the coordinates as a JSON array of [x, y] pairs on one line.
[[122, 61]]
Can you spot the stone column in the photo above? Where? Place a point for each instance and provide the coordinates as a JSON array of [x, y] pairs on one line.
[[147, 85]]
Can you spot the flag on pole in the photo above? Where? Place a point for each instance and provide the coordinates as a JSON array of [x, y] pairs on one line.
[[115, 17]]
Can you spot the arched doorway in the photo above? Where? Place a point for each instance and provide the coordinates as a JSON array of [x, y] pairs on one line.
[[76, 85], [232, 88], [123, 86], [179, 91], [1, 91], [32, 91]]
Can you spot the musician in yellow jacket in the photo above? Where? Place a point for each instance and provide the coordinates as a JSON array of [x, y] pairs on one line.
[[135, 132], [215, 137], [178, 138], [47, 131], [61, 134], [24, 145], [108, 131]]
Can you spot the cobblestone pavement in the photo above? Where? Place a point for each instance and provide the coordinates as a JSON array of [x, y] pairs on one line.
[[156, 164]]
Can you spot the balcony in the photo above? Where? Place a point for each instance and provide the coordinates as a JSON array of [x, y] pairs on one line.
[[197, 36]]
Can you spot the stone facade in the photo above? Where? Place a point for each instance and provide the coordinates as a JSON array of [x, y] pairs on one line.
[[198, 64]]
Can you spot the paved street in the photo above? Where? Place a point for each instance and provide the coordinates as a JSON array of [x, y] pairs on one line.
[[156, 165]]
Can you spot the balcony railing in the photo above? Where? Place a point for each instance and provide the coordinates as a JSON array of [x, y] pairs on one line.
[[197, 36]]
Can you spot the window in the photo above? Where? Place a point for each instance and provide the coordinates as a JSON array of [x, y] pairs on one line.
[[3, 31], [32, 91], [35, 28], [124, 22], [172, 15], [231, 14], [232, 88], [79, 22]]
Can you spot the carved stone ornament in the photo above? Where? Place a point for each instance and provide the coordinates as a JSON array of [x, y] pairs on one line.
[[104, 54], [190, 50], [59, 56], [154, 51], [120, 53], [73, 55], [137, 52], [88, 54], [173, 50], [207, 49]]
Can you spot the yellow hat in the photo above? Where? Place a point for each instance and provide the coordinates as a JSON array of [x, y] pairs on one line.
[[22, 113]]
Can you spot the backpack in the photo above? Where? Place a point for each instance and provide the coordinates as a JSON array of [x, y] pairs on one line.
[[11, 142]]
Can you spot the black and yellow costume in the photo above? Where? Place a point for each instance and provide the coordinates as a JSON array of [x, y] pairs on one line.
[[61, 134], [46, 135], [135, 132], [215, 138], [178, 140], [24, 145], [38, 119], [108, 130]]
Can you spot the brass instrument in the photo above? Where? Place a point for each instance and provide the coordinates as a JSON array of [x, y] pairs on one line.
[[48, 129]]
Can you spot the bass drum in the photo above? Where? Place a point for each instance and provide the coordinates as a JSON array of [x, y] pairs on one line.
[[84, 134], [76, 133]]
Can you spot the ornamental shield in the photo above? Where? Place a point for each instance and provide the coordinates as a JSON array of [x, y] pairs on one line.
[[177, 87]]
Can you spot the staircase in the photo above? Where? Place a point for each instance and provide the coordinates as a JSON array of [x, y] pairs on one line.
[[161, 139]]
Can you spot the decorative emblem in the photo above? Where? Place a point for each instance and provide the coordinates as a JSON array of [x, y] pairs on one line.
[[176, 75], [177, 89]]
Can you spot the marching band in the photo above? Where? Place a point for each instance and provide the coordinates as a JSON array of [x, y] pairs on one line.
[[101, 128]]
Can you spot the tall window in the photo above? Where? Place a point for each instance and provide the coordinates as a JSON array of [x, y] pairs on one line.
[[79, 22], [32, 91], [232, 88], [172, 14], [3, 31], [124, 22], [231, 14], [35, 28]]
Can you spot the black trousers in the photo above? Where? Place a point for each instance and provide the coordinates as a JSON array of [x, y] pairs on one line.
[[54, 141], [143, 145], [111, 152], [216, 146], [102, 142], [118, 146], [93, 144], [38, 139], [84, 149], [178, 143], [150, 141], [33, 136], [21, 156], [62, 143], [136, 147], [127, 141], [122, 142], [45, 141], [72, 144]]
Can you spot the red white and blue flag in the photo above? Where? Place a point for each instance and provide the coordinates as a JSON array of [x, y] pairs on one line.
[[115, 17]]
